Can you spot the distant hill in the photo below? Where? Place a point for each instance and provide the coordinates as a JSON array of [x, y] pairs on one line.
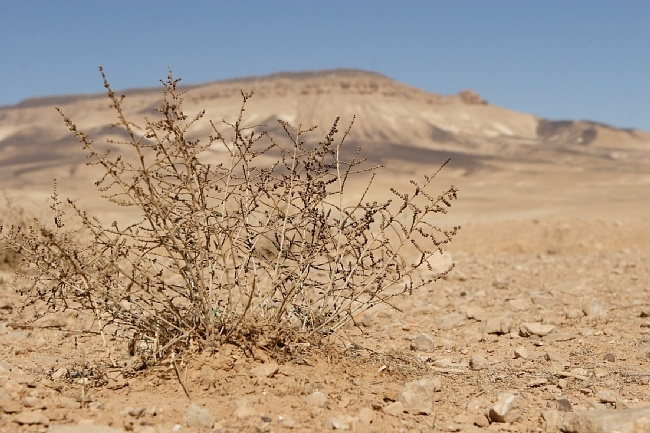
[[396, 124]]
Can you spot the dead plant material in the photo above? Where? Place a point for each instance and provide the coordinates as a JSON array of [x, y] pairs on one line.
[[239, 251]]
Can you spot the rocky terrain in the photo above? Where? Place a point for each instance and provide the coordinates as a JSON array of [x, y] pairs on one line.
[[542, 326]]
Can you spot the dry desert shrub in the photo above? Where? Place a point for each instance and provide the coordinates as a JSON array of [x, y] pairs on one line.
[[242, 251], [10, 215]]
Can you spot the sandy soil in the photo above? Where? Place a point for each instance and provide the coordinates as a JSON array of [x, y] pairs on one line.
[[547, 310]]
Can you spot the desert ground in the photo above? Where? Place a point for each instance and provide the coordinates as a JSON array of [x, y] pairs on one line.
[[543, 325]]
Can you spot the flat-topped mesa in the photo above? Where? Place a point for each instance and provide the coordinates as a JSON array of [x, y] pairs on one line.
[[326, 82]]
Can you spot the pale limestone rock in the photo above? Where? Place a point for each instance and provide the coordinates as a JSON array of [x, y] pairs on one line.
[[265, 370], [417, 396], [505, 409], [423, 342], [608, 421], [197, 416], [316, 399]]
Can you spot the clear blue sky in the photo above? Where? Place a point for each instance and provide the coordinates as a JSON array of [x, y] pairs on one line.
[[562, 59]]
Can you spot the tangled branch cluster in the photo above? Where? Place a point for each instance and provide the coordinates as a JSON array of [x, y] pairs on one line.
[[231, 251]]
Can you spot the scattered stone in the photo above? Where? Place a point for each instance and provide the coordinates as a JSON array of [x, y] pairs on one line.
[[265, 370], [10, 406], [4, 395], [341, 422], [365, 320], [423, 342], [66, 402], [554, 357], [538, 381], [501, 282], [580, 373], [519, 304], [528, 329], [243, 410], [5, 304], [498, 325], [391, 392], [366, 415], [60, 373], [475, 313], [594, 309], [135, 412], [552, 419], [563, 405], [95, 406], [34, 402], [285, 422], [574, 313], [417, 396], [395, 408], [480, 420], [83, 428], [197, 416], [316, 399], [521, 352], [477, 362], [607, 396], [619, 421], [609, 357], [543, 301], [450, 321], [129, 423], [31, 417], [439, 263], [5, 367], [505, 409], [558, 336]]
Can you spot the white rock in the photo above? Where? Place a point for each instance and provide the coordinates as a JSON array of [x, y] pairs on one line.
[[554, 357], [439, 263], [528, 329], [86, 428], [265, 370], [197, 416], [504, 410], [417, 396], [607, 396], [366, 415], [31, 417], [594, 309], [243, 409], [477, 362], [498, 325], [395, 408], [341, 422], [316, 399], [599, 421], [450, 321], [423, 342], [288, 423], [10, 406], [552, 419], [521, 352], [501, 282], [60, 373]]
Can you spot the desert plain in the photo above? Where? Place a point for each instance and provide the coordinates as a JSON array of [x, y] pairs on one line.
[[543, 325]]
